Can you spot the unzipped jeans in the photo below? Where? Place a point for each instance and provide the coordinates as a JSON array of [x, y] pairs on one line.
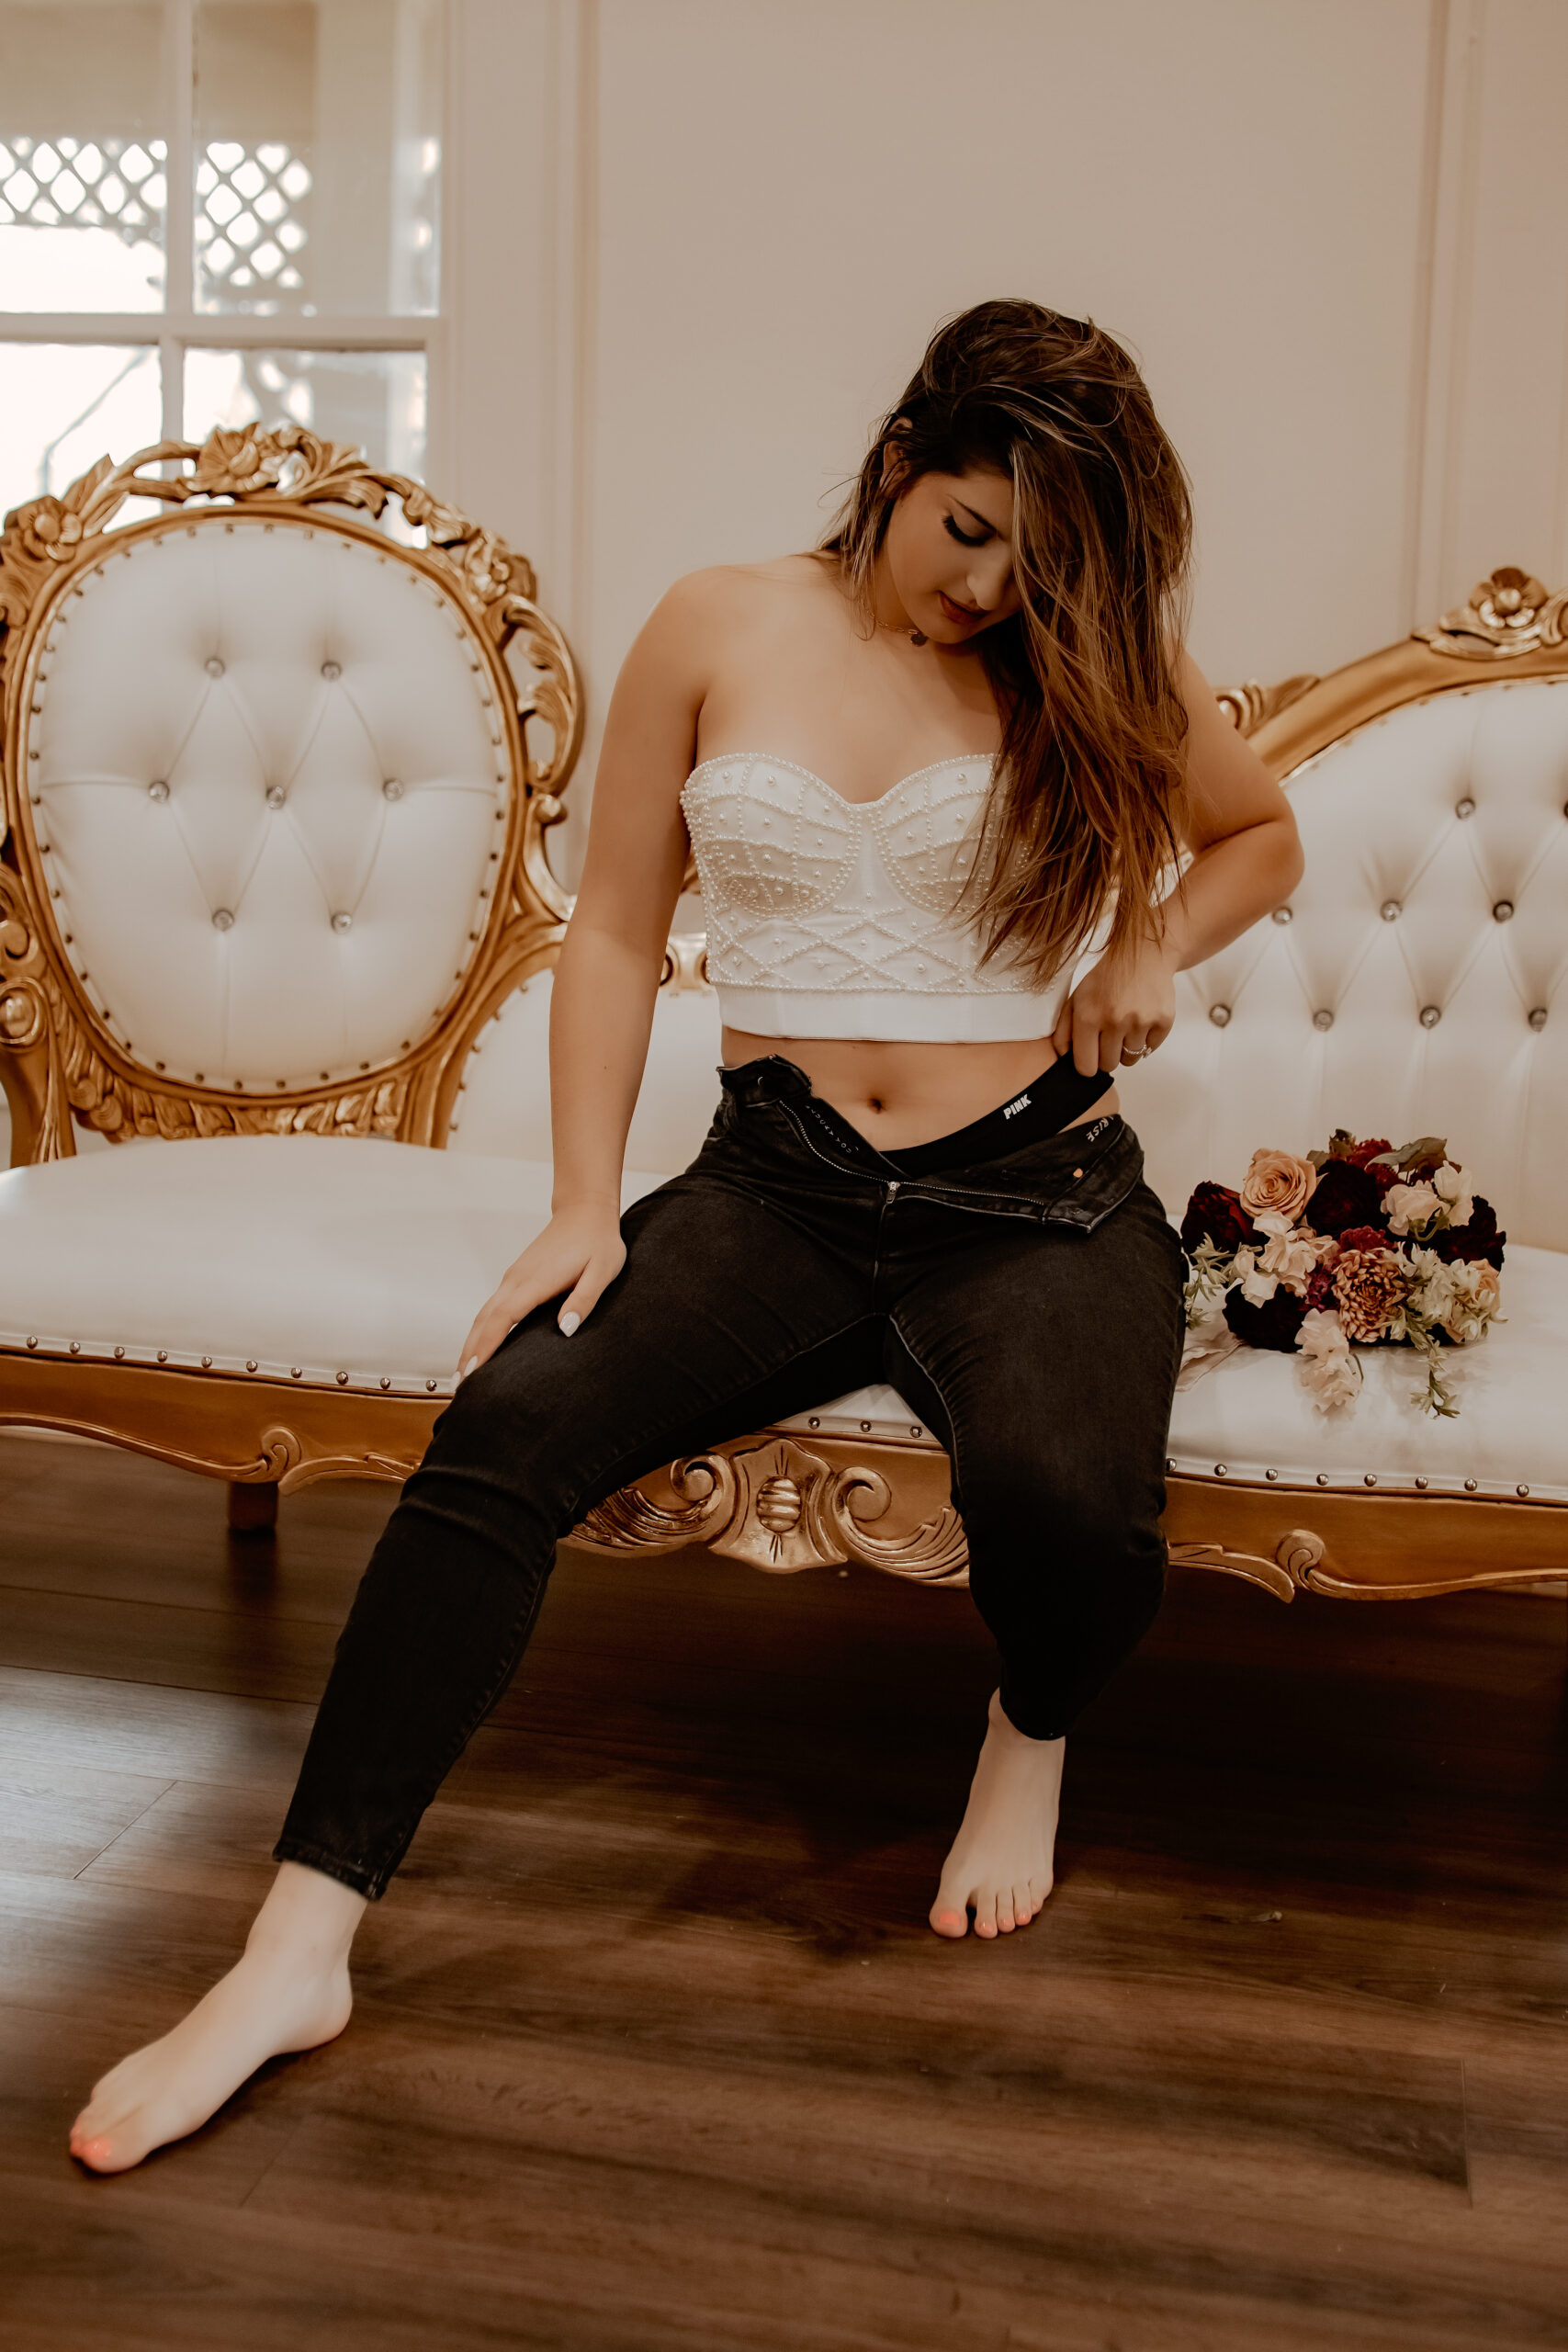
[[1027, 1305]]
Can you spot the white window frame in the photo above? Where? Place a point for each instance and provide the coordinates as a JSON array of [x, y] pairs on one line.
[[180, 327]]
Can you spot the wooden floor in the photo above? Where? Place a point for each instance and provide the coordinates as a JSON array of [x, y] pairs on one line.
[[653, 2048]]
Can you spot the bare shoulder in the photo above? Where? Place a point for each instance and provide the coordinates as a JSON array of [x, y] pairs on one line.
[[725, 592], [1227, 784]]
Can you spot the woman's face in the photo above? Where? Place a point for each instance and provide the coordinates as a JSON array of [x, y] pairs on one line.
[[948, 554]]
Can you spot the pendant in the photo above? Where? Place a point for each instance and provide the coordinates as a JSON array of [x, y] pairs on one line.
[[917, 637]]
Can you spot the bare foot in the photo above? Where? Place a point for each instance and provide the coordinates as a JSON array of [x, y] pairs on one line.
[[1000, 1865], [290, 1992]]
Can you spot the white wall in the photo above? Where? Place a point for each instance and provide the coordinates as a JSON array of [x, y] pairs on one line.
[[700, 244]]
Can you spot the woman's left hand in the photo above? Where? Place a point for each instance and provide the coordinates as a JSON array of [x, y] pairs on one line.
[[1120, 1011]]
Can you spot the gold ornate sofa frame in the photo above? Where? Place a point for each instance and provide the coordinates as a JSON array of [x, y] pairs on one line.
[[781, 1500]]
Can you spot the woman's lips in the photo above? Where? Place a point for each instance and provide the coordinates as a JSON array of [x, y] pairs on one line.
[[955, 612]]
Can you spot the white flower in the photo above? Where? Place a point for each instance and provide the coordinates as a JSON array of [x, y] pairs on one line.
[[1434, 1283], [1256, 1288], [1452, 1187], [1473, 1301], [1273, 1221], [1291, 1258], [1410, 1207], [1330, 1374]]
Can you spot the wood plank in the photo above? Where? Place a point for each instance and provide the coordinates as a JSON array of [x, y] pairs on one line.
[[653, 2048]]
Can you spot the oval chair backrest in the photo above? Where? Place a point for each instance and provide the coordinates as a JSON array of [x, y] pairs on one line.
[[273, 815], [1414, 984]]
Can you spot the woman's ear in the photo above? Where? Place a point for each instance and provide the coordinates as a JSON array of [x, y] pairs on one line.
[[895, 464]]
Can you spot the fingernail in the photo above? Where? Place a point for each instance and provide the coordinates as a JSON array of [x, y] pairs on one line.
[[472, 1365], [569, 1322]]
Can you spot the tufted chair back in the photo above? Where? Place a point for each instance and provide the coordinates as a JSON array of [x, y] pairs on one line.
[[1415, 984], [273, 794]]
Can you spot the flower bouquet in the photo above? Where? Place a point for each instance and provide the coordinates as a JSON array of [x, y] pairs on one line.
[[1357, 1245]]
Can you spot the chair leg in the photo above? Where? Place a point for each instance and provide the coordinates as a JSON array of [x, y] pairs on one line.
[[253, 1511]]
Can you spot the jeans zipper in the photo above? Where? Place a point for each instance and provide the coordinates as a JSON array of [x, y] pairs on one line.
[[1007, 1203]]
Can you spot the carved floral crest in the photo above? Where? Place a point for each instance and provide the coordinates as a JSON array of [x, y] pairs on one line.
[[1508, 613]]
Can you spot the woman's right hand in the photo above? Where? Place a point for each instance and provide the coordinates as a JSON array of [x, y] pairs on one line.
[[580, 1251]]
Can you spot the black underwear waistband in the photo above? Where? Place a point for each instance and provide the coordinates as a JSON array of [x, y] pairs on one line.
[[1052, 1102]]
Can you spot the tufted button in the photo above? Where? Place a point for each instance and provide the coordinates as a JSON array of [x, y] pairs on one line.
[[1430, 1015], [1465, 808], [157, 789], [330, 670], [1503, 912], [213, 666], [1219, 1014], [342, 923], [1391, 910], [1285, 914], [223, 919], [1323, 1020], [393, 790], [1538, 1017], [276, 795]]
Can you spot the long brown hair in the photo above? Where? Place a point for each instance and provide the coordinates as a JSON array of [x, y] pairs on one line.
[[1081, 820]]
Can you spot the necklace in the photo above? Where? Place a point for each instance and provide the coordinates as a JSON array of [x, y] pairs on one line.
[[918, 637]]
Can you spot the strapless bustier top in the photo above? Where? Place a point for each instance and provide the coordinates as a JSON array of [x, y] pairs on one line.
[[834, 917]]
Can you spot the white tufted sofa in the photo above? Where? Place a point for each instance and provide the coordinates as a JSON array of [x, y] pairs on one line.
[[275, 888]]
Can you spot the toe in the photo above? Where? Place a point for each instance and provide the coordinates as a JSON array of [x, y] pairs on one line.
[[96, 2153], [1006, 1917], [1023, 1906], [947, 1921]]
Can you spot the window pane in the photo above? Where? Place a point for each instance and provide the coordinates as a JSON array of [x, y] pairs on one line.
[[62, 405], [81, 156], [374, 400], [317, 156]]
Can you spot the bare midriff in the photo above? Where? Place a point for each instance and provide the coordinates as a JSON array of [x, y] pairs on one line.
[[898, 1094]]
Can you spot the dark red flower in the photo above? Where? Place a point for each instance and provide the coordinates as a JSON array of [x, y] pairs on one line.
[[1346, 1195], [1372, 1148], [1320, 1288], [1476, 1239], [1215, 1214], [1365, 1237], [1274, 1324]]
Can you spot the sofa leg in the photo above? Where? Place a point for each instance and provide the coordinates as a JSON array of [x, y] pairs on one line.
[[253, 1511]]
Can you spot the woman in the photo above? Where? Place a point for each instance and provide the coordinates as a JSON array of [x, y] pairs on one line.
[[920, 768]]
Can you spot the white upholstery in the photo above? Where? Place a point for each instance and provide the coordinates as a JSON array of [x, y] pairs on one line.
[[282, 1256], [1379, 823], [503, 1099], [268, 776]]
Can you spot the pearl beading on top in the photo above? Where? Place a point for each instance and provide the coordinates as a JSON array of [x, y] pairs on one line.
[[829, 917]]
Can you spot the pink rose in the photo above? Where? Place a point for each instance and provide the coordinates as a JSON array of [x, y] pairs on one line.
[[1278, 1183]]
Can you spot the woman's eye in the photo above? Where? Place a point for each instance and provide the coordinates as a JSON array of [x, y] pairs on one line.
[[962, 537]]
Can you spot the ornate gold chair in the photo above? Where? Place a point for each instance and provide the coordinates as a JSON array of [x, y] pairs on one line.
[[275, 886]]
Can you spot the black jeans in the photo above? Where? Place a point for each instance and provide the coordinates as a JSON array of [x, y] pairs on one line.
[[1027, 1305]]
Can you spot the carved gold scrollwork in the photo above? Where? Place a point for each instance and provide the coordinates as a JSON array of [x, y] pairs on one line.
[[633, 1520], [1508, 613], [937, 1551], [781, 1507], [1247, 707], [1271, 1576], [685, 962]]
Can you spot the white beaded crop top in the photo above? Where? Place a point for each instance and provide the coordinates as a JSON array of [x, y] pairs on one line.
[[834, 917]]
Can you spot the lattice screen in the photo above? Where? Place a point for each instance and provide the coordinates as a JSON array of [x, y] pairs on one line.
[[251, 221], [84, 183], [251, 204]]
